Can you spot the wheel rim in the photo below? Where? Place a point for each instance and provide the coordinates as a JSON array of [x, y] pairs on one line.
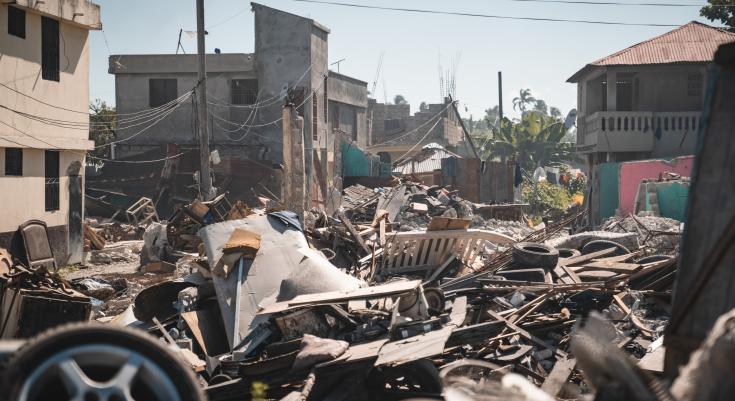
[[99, 372]]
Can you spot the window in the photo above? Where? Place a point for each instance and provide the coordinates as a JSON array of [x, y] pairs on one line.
[[14, 161], [17, 22], [392, 125], [52, 180], [244, 91], [49, 49], [694, 85], [161, 91]]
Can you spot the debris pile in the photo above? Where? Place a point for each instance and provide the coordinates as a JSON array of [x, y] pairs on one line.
[[373, 302]]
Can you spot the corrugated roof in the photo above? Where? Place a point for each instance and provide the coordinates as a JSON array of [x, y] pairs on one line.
[[426, 161], [691, 43]]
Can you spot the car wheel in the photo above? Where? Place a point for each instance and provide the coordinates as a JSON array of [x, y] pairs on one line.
[[90, 362]]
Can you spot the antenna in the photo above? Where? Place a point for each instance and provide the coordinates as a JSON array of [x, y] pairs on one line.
[[377, 73]]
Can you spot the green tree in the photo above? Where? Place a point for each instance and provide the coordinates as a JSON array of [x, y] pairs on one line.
[[523, 100], [534, 139], [555, 112], [541, 106], [423, 106], [722, 11], [399, 99], [102, 122]]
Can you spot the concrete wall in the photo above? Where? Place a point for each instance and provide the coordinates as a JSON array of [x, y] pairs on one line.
[[20, 68], [22, 198], [412, 129], [631, 174], [132, 76]]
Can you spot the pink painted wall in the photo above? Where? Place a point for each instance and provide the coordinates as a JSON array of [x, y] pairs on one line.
[[631, 174]]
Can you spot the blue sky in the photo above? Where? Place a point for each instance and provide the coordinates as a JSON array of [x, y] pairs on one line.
[[536, 55]]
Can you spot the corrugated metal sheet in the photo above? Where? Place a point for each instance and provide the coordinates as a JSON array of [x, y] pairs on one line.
[[691, 43], [427, 165]]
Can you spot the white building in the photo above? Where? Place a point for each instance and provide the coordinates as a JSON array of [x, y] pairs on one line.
[[44, 134]]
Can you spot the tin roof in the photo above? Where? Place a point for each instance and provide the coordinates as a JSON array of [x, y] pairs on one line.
[[427, 160], [694, 42]]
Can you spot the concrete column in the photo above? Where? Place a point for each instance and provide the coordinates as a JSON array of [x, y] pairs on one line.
[[294, 174], [611, 90]]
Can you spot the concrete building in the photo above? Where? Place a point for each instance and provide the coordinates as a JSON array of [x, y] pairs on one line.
[[44, 132], [394, 131], [652, 110], [246, 93], [654, 105]]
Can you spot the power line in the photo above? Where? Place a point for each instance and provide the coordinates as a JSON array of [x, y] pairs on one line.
[[619, 3], [465, 14]]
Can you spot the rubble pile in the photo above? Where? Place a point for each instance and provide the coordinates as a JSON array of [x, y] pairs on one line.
[[657, 235], [373, 302]]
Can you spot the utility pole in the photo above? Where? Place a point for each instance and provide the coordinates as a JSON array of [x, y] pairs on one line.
[[205, 178], [500, 96]]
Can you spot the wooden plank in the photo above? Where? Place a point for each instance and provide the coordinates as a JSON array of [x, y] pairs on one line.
[[584, 258], [353, 232], [333, 297], [527, 335], [439, 223], [559, 375], [413, 348], [616, 267]]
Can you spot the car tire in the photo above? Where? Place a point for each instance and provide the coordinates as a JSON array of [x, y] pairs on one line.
[[96, 351], [532, 254], [567, 253], [599, 245]]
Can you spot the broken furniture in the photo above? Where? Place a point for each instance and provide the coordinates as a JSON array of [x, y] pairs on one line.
[[39, 255], [425, 251], [142, 212]]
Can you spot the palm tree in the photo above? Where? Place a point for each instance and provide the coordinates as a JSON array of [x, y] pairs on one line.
[[523, 100], [399, 99], [536, 139]]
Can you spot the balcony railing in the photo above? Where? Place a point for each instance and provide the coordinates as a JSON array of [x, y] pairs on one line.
[[642, 121]]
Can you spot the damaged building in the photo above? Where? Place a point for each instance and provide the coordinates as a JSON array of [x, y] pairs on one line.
[[246, 93], [42, 145], [395, 132]]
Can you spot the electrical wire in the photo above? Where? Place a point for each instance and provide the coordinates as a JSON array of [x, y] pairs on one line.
[[425, 123], [137, 115], [620, 3], [306, 99], [81, 153], [417, 142], [265, 102], [467, 14]]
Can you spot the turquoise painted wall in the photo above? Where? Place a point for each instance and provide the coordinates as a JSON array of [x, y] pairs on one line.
[[609, 186], [357, 163], [672, 200]]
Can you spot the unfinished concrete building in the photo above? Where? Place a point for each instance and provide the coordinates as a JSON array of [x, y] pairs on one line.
[[394, 132], [246, 93]]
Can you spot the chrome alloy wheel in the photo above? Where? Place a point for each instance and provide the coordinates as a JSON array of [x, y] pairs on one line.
[[98, 372]]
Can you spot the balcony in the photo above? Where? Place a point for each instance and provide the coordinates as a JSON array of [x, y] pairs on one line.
[[661, 133]]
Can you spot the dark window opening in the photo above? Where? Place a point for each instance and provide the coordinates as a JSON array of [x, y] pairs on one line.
[[624, 94], [392, 125], [297, 96], [244, 91], [604, 95], [17, 22], [49, 49], [161, 91], [52, 180], [14, 161], [335, 118]]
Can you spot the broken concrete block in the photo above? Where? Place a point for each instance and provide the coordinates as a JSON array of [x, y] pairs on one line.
[[419, 208]]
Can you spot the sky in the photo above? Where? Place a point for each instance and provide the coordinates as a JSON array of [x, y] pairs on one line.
[[536, 55]]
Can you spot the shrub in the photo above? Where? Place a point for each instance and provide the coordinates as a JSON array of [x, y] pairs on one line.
[[545, 198]]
